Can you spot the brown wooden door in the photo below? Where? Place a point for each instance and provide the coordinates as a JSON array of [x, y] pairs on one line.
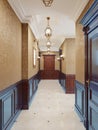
[[49, 62]]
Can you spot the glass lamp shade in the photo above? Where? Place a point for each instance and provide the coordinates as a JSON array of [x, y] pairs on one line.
[[48, 49], [48, 44], [48, 32], [47, 2]]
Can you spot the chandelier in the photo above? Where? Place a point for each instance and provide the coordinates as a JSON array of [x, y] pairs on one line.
[[47, 3], [48, 30], [48, 34], [48, 44]]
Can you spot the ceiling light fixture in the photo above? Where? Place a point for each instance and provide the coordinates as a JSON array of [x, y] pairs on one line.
[[47, 3], [48, 44], [48, 30]]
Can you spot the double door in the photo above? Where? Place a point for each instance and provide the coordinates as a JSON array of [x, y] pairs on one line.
[[92, 80]]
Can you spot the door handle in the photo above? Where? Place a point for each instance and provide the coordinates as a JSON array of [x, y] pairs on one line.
[[88, 81]]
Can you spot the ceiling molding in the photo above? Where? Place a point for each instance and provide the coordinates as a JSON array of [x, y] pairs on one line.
[[80, 9], [17, 7], [63, 25]]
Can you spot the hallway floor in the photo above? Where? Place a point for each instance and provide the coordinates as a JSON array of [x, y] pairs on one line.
[[51, 109]]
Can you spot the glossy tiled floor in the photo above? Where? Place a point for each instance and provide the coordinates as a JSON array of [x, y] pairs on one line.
[[51, 109]]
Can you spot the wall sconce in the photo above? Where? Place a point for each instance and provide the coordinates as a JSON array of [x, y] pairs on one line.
[[58, 58], [38, 57], [62, 57]]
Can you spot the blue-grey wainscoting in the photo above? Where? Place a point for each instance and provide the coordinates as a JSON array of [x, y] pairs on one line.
[[93, 106], [15, 98], [80, 100]]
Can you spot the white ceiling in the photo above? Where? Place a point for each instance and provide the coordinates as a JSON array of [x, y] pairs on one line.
[[62, 13]]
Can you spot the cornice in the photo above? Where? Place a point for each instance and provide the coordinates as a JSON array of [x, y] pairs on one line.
[[18, 10]]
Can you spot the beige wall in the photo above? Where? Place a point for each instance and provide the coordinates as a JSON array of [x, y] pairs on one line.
[[57, 66], [29, 43], [10, 46], [32, 43], [80, 47], [41, 63], [68, 50], [80, 54], [63, 47]]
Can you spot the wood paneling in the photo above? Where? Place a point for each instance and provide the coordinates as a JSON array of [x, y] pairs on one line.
[[67, 82], [62, 78], [70, 83], [49, 74], [29, 88], [49, 62], [49, 71]]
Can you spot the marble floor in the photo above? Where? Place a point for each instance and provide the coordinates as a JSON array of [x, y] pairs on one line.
[[51, 109]]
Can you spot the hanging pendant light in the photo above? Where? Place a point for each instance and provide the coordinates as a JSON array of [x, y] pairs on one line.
[[48, 44], [48, 30], [47, 3]]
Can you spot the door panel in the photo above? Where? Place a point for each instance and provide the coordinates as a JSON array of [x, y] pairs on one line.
[[49, 71], [93, 80], [94, 58], [49, 62]]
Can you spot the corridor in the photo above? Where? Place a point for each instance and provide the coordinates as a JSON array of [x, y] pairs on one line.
[[51, 109]]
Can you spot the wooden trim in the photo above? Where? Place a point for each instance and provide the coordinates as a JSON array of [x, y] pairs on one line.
[[49, 74], [70, 83], [25, 97], [29, 87]]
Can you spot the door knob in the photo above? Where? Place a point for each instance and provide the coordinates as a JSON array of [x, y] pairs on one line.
[[88, 81]]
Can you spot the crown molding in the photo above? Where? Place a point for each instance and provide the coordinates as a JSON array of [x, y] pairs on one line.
[[18, 9], [78, 12]]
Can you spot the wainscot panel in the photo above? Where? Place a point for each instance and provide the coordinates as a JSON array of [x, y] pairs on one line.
[[49, 74], [93, 106], [67, 82], [10, 105], [29, 88], [80, 101], [62, 79], [70, 83], [14, 99]]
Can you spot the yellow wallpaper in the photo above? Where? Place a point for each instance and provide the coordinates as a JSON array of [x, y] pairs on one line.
[[28, 44], [57, 64], [80, 54], [80, 47], [10, 46], [32, 70], [68, 50], [41, 63]]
